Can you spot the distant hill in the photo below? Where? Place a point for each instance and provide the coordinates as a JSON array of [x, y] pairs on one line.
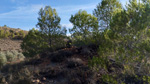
[[11, 38], [12, 29], [12, 33]]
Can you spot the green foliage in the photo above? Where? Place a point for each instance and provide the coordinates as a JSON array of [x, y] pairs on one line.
[[108, 79], [21, 34], [1, 33], [105, 11], [6, 34], [13, 35], [20, 56], [99, 62], [3, 59], [34, 43], [84, 26], [9, 56], [126, 42], [13, 56], [17, 34], [5, 26], [11, 31], [50, 35], [49, 23]]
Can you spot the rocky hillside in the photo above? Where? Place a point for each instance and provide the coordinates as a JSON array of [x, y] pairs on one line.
[[12, 33], [5, 28], [10, 49], [8, 44], [66, 66], [11, 38]]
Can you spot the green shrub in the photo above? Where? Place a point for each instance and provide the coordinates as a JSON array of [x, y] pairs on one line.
[[108, 79], [20, 56], [11, 31], [1, 33], [14, 55], [13, 35], [34, 43], [9, 56], [3, 59], [22, 34]]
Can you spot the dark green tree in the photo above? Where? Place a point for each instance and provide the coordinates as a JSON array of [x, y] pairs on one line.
[[127, 42], [105, 11], [84, 25], [34, 43], [48, 22]]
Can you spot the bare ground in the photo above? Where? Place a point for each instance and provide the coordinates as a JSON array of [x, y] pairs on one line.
[[8, 44]]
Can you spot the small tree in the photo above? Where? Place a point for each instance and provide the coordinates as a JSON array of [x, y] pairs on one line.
[[84, 25], [34, 43], [49, 36], [48, 22], [105, 11]]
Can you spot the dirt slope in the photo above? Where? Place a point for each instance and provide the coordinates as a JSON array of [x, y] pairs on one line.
[[8, 44]]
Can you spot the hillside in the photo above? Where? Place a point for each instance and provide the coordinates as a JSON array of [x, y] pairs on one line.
[[66, 66], [10, 40], [10, 43], [109, 46], [12, 33], [5, 28]]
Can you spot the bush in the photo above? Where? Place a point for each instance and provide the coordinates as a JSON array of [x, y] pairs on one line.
[[22, 33], [3, 59], [14, 55], [33, 43], [21, 56], [9, 56], [1, 33]]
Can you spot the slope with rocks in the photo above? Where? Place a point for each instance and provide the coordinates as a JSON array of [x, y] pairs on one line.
[[11, 41], [65, 66]]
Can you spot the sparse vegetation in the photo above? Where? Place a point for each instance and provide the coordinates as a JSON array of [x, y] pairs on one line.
[[7, 32], [10, 56], [112, 46]]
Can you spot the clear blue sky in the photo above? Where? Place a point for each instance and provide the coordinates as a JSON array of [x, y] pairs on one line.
[[23, 13]]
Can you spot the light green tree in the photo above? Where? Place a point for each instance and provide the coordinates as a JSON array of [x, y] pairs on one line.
[[84, 25], [48, 22], [105, 11]]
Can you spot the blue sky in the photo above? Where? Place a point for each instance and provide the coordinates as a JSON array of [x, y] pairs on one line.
[[24, 13]]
